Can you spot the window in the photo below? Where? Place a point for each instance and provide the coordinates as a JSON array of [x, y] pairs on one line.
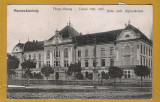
[[151, 63], [111, 50], [127, 36], [29, 56], [66, 53], [48, 54], [86, 52], [79, 53], [111, 62], [144, 61], [79, 63], [127, 74], [94, 63], [86, 63], [65, 63], [39, 56], [149, 52], [48, 63], [57, 52], [56, 63], [141, 60], [137, 46], [39, 64], [141, 49], [103, 62], [144, 49], [102, 51], [127, 49], [34, 56]]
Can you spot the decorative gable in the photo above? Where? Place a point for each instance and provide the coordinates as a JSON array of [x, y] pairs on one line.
[[127, 34]]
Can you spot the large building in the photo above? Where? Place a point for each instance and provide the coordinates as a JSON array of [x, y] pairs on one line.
[[124, 48]]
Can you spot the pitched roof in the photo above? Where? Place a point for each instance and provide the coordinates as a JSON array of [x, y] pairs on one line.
[[105, 37], [21, 45], [102, 37], [142, 36], [67, 32], [35, 45]]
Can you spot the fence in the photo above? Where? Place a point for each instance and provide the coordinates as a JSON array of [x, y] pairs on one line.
[[123, 83]]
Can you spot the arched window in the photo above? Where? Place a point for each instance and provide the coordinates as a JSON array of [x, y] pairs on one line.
[[66, 53], [57, 52], [127, 49], [48, 54]]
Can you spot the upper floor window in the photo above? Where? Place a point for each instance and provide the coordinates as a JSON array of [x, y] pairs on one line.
[[111, 50], [66, 53], [144, 49], [65, 63], [39, 56], [127, 49], [103, 62], [127, 36], [141, 48], [56, 63], [102, 51], [57, 52], [86, 63], [48, 54], [86, 52], [79, 53], [111, 62]]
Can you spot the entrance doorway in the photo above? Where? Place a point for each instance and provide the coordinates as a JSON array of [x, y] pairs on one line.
[[57, 75]]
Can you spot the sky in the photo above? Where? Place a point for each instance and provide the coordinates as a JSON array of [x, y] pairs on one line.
[[86, 19]]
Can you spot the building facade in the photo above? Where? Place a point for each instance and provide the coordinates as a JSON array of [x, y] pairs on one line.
[[124, 48]]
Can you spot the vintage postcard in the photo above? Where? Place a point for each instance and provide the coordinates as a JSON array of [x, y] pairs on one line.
[[80, 52]]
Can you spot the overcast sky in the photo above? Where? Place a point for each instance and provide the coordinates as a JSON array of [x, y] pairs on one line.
[[42, 25]]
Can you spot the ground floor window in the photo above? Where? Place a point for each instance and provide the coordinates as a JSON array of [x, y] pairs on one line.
[[127, 74], [65, 63], [56, 63], [48, 63]]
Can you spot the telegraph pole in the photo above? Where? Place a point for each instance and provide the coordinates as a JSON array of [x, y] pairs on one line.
[[95, 64]]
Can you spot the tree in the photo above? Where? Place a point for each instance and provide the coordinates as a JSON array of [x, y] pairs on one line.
[[12, 64], [79, 76], [46, 71], [27, 65], [141, 71], [90, 76], [115, 72], [74, 69]]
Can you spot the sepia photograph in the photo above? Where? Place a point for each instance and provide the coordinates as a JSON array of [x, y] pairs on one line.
[[79, 52]]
